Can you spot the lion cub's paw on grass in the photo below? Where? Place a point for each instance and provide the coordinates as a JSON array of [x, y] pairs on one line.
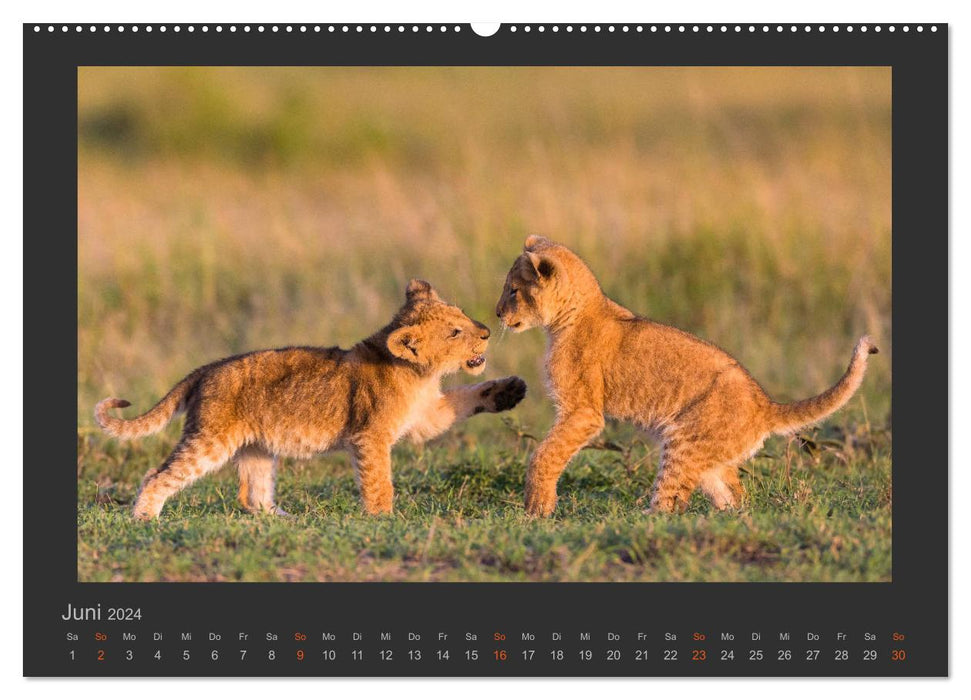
[[540, 498], [603, 360], [255, 408]]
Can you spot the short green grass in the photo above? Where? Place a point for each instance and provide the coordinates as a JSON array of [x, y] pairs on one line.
[[459, 517]]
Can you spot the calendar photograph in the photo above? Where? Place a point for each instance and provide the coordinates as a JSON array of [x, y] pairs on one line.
[[484, 324]]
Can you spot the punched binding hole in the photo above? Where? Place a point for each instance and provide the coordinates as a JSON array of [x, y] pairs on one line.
[[485, 28]]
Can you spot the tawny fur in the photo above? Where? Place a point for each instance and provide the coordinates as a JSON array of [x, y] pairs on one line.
[[297, 402], [603, 360]]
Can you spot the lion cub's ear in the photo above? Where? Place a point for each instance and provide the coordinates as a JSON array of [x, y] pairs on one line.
[[533, 242], [404, 343], [419, 289], [542, 266]]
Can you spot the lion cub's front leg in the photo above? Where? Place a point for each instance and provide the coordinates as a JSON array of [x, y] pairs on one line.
[[462, 402], [372, 471], [568, 435]]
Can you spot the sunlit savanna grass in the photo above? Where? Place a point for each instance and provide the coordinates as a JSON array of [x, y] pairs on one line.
[[459, 518], [223, 210]]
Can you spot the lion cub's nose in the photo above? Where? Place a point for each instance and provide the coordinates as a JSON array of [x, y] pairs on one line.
[[485, 331]]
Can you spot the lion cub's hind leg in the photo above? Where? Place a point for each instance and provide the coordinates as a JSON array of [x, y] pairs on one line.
[[677, 477], [194, 456], [257, 479], [722, 487]]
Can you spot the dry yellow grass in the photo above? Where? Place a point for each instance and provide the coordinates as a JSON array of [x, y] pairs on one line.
[[223, 210]]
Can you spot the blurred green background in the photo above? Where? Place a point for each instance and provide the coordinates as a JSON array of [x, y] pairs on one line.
[[229, 209]]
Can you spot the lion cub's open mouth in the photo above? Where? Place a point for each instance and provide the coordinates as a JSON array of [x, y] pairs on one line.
[[476, 361]]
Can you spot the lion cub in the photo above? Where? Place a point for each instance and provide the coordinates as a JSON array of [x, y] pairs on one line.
[[295, 402], [601, 359]]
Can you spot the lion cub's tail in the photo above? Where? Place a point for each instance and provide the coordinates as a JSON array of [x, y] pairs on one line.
[[792, 416], [150, 422]]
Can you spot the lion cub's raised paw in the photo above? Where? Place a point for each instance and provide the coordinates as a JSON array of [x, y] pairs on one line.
[[501, 394]]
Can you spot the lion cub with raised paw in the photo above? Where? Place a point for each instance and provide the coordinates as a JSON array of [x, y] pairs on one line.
[[257, 407], [602, 360]]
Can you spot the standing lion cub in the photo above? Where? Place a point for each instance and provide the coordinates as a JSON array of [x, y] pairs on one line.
[[708, 412], [295, 402]]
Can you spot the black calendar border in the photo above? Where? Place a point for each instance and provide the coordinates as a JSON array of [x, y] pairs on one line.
[[916, 600]]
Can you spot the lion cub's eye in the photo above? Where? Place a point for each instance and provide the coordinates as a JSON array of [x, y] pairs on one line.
[[513, 292], [455, 333]]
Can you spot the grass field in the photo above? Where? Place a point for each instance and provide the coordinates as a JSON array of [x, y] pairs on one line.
[[225, 210]]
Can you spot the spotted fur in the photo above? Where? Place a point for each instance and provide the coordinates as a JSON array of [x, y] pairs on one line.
[[299, 401], [708, 412]]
